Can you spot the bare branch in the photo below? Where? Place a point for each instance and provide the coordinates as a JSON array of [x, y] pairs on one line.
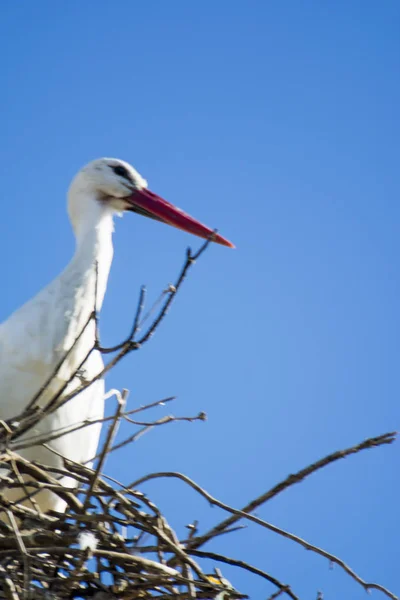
[[148, 426], [192, 544], [387, 438], [282, 587], [61, 431], [107, 446], [132, 333]]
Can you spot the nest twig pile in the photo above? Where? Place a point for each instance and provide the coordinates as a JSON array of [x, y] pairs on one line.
[[113, 542]]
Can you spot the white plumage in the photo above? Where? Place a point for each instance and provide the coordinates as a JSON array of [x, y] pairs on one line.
[[36, 337]]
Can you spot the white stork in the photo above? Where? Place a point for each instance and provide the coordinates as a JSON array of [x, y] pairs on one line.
[[36, 337]]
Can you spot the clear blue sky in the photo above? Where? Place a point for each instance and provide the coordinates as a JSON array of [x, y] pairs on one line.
[[276, 122]]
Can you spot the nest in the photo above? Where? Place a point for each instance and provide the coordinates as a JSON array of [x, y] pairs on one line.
[[114, 542]]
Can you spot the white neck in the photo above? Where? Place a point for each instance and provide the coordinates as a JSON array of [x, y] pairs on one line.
[[94, 249]]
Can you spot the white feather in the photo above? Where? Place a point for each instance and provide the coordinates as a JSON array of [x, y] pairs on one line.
[[87, 539]]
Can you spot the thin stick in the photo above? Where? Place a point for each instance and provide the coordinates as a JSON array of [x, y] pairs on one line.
[[373, 442], [147, 427], [283, 588], [61, 431], [132, 333], [22, 549], [60, 363], [107, 445]]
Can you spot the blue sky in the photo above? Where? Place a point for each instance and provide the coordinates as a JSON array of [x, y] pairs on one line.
[[276, 122]]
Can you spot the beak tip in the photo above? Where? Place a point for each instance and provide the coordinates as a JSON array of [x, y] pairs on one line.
[[223, 241]]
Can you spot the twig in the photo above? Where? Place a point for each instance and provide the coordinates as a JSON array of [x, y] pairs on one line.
[[167, 419], [190, 260], [23, 484], [373, 442], [61, 431], [132, 333], [193, 537], [108, 554], [276, 594], [39, 474], [147, 427], [107, 445], [22, 549], [243, 565], [60, 363]]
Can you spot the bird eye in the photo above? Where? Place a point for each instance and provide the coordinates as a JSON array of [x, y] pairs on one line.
[[121, 171]]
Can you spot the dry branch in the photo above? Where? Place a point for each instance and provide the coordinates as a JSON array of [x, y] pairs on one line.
[[196, 542]]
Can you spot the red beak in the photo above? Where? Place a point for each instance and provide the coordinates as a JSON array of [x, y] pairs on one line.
[[150, 205]]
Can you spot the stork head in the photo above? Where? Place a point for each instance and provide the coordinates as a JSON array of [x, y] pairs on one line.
[[112, 185]]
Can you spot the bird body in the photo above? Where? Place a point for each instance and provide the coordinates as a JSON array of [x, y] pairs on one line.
[[36, 338]]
